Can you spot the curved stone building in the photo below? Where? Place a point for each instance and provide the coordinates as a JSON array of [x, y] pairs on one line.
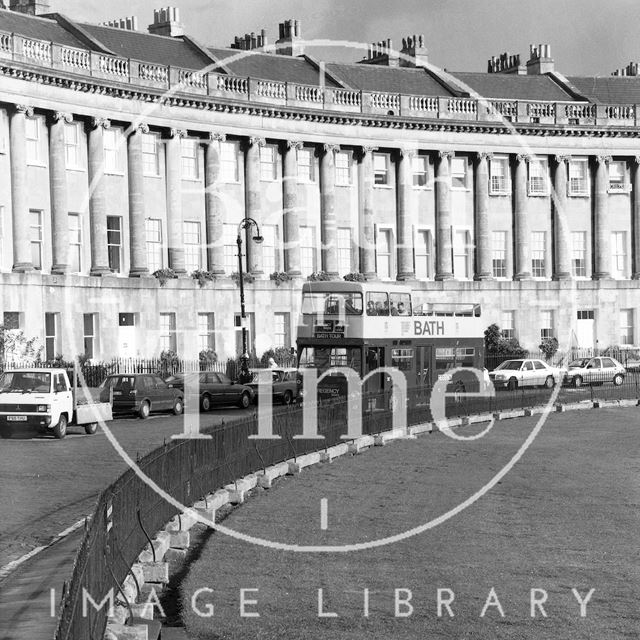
[[124, 153]]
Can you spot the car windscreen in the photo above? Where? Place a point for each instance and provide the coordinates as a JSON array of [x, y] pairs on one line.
[[511, 365], [25, 382], [579, 363]]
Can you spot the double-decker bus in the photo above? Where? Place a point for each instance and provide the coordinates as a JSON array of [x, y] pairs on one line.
[[370, 325]]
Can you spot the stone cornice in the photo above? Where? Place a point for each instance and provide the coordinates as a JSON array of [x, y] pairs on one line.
[[224, 105]]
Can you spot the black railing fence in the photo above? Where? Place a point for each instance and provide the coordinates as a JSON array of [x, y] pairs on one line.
[[187, 470]]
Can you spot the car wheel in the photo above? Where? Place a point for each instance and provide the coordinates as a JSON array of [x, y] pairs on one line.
[[244, 401], [205, 403], [512, 385], [288, 397], [549, 382], [618, 379], [577, 381], [60, 430], [177, 407], [90, 428], [144, 410]]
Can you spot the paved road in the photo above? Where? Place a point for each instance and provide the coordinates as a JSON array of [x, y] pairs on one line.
[[48, 484]]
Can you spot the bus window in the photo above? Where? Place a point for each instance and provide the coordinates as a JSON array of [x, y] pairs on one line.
[[400, 304], [377, 304], [323, 358], [402, 359], [331, 303]]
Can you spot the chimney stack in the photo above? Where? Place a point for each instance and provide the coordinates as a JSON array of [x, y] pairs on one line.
[[289, 42], [130, 23], [250, 41], [414, 53], [630, 70], [540, 60], [166, 22], [30, 7], [506, 63]]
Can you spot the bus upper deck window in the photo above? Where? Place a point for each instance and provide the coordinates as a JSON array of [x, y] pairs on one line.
[[400, 304], [377, 304]]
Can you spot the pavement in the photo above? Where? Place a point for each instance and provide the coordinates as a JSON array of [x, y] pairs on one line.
[[32, 592]]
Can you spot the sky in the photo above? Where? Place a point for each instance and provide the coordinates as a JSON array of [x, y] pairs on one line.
[[587, 37]]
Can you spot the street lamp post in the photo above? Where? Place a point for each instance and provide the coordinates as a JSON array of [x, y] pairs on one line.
[[245, 376]]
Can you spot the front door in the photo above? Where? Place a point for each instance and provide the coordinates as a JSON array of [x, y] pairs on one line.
[[424, 373], [585, 329]]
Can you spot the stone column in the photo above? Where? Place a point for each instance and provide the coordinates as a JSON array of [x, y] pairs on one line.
[[635, 217], [601, 244], [562, 258], [328, 225], [253, 202], [444, 240], [405, 208], [483, 263], [522, 266], [19, 198], [213, 203], [58, 189], [291, 221], [97, 198], [366, 232], [174, 201], [137, 227]]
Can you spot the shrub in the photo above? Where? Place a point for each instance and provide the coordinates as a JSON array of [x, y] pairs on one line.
[[281, 355], [355, 276], [163, 275], [496, 344], [318, 276], [247, 278], [279, 277], [203, 276], [207, 357], [549, 346]]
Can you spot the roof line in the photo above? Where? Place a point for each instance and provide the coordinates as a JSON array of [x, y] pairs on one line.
[[201, 49], [564, 83], [82, 34], [446, 80], [321, 67]]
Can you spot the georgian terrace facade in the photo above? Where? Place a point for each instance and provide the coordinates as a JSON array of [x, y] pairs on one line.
[[112, 168]]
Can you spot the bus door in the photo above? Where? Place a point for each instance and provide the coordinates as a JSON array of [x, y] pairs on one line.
[[424, 373], [375, 358]]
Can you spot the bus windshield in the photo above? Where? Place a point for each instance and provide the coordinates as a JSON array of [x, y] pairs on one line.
[[323, 358], [320, 303]]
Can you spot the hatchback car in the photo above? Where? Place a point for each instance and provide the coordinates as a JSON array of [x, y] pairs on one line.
[[141, 393], [594, 371], [524, 373], [286, 387], [213, 389]]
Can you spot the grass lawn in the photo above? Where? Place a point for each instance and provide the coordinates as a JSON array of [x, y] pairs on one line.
[[567, 516]]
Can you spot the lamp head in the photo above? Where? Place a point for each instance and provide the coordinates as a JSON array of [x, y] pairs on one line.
[[258, 239]]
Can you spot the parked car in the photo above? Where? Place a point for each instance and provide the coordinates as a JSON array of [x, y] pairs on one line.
[[286, 386], [141, 393], [629, 357], [213, 389], [524, 372], [594, 371]]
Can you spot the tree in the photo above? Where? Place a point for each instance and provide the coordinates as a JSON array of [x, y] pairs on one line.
[[548, 346], [496, 344]]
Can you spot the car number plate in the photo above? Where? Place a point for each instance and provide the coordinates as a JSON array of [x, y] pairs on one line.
[[117, 393], [17, 418]]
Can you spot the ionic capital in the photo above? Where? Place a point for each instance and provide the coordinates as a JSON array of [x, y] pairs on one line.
[[603, 159], [216, 136], [407, 153], [97, 123], [295, 144], [331, 148], [23, 108], [139, 127], [177, 133], [257, 141], [367, 150], [523, 157], [62, 115], [446, 154], [484, 155], [560, 158]]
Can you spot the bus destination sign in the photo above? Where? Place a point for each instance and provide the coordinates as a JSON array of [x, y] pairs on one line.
[[329, 330]]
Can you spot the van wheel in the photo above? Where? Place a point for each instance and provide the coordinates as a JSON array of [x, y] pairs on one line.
[[60, 430], [618, 379], [144, 410], [288, 397], [91, 428], [178, 407], [512, 385], [205, 403]]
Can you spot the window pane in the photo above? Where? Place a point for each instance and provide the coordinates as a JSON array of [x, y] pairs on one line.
[[191, 240], [423, 254], [228, 162]]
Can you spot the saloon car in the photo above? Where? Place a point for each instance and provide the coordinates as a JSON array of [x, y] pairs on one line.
[[212, 389], [286, 387], [596, 370], [524, 372]]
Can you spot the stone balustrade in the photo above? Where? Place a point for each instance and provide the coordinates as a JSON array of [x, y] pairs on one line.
[[136, 73]]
